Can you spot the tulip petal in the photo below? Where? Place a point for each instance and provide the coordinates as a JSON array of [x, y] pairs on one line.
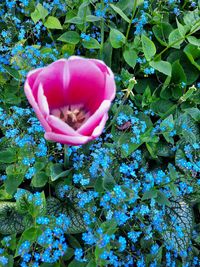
[[69, 140], [59, 126], [32, 101], [42, 101], [87, 83], [99, 129], [110, 87], [93, 121], [54, 79]]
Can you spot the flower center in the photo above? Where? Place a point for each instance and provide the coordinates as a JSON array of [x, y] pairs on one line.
[[73, 115]]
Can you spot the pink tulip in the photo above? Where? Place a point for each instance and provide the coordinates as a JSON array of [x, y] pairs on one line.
[[71, 98]]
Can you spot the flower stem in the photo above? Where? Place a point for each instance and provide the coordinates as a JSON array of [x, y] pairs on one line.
[[66, 156], [133, 14]]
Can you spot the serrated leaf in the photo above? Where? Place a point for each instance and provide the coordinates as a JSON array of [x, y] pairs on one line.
[[53, 23], [70, 37], [120, 12], [117, 38], [148, 46], [162, 66]]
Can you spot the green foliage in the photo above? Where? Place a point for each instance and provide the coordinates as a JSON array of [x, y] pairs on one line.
[[155, 57]]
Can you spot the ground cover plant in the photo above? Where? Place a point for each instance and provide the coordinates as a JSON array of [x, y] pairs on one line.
[[130, 197]]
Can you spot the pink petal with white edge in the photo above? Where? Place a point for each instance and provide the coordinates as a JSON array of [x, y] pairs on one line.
[[35, 106], [42, 101], [32, 75], [110, 87], [60, 127], [69, 140], [88, 127], [99, 129], [55, 80]]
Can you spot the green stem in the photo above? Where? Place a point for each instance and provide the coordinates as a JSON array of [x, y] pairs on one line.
[[177, 41], [102, 34], [66, 156], [130, 23], [51, 36]]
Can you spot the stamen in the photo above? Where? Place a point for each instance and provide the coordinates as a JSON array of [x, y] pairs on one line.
[[73, 115]]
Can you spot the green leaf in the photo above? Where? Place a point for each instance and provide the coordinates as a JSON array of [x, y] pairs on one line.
[[146, 97], [161, 32], [191, 17], [148, 47], [75, 20], [162, 66], [39, 180], [76, 263], [22, 202], [91, 44], [53, 23], [162, 199], [194, 113], [152, 148], [130, 57], [175, 39], [193, 54], [56, 171], [35, 16], [91, 263], [8, 156], [108, 181], [182, 29], [117, 38], [152, 193], [91, 18], [30, 235], [120, 12], [178, 76], [11, 222], [193, 40], [180, 213], [39, 13], [14, 178], [70, 37], [14, 73], [69, 254]]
